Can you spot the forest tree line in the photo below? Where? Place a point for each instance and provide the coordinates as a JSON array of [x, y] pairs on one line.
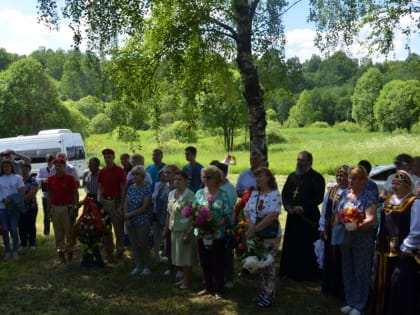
[[96, 94]]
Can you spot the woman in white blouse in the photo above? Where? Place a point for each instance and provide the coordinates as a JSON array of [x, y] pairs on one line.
[[261, 213]]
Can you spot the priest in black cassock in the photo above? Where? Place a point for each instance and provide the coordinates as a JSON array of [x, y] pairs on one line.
[[302, 193]]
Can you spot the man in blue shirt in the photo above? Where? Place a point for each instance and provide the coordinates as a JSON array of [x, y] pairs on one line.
[[193, 169], [154, 169], [246, 179]]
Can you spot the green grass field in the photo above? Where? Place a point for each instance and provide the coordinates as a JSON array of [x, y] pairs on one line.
[[330, 148], [37, 285]]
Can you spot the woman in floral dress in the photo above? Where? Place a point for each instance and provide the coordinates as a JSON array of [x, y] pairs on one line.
[[211, 242], [357, 250]]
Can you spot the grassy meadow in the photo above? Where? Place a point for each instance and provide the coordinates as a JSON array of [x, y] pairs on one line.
[[36, 284], [330, 148]]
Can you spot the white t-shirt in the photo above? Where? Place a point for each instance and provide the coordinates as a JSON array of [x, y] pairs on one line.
[[9, 184], [259, 205]]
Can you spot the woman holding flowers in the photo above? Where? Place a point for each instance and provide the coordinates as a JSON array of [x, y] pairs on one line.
[[397, 248], [137, 215], [182, 237], [261, 214], [357, 212], [210, 213]]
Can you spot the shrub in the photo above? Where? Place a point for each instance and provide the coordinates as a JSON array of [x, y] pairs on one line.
[[415, 128], [181, 131], [172, 146], [320, 124], [101, 123], [291, 123], [348, 126], [126, 134], [399, 131], [273, 133]]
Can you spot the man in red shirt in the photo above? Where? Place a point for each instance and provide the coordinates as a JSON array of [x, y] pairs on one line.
[[111, 184], [62, 198]]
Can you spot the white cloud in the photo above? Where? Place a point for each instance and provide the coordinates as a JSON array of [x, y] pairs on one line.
[[22, 34], [300, 43]]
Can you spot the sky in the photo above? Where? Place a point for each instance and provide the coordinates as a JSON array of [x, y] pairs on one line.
[[20, 33]]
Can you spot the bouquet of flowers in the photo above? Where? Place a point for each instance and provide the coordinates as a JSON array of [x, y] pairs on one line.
[[202, 218], [252, 256], [351, 216]]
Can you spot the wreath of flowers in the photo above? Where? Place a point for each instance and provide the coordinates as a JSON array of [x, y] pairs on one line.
[[90, 226]]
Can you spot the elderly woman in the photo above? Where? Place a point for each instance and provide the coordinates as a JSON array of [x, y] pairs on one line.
[[160, 205], [332, 281], [357, 249], [27, 227], [11, 185], [211, 241], [137, 215], [398, 241], [182, 237], [261, 212]]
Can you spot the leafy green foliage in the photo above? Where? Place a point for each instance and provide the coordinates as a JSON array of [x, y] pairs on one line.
[[180, 131], [101, 123], [320, 124], [90, 106], [398, 105], [27, 97], [274, 133], [303, 112], [347, 126], [6, 59], [365, 94], [52, 61], [338, 22]]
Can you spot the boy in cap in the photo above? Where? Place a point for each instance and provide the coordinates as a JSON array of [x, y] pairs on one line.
[[111, 185], [62, 198]]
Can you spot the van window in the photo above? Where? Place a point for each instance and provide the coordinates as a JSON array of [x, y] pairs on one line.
[[38, 155], [75, 153]]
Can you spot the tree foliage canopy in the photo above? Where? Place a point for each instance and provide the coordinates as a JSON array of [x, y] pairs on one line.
[[365, 94], [185, 33], [339, 21]]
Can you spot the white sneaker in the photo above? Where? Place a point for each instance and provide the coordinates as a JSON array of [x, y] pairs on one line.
[[146, 272], [135, 271], [179, 274], [167, 272], [354, 312], [346, 309]]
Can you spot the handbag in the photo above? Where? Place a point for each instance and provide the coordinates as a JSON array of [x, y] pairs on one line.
[[339, 234], [270, 231]]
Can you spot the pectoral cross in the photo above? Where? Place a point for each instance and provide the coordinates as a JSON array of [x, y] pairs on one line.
[[295, 192]]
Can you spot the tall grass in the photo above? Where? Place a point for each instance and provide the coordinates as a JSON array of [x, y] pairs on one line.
[[330, 148]]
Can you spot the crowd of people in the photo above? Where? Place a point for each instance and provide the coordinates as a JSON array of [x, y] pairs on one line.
[[364, 245]]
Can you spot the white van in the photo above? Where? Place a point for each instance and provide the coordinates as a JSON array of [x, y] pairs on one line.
[[49, 141]]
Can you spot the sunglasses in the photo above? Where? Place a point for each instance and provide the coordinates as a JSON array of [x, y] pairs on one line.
[[400, 163], [207, 177]]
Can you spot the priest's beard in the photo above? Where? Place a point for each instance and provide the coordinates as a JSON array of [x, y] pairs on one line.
[[302, 170]]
